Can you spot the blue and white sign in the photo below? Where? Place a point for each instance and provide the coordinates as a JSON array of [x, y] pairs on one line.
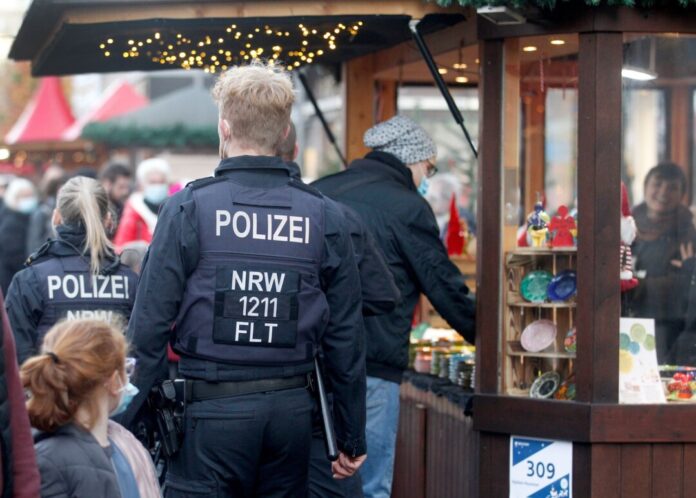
[[540, 468]]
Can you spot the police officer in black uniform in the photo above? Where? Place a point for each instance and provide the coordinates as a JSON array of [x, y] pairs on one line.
[[76, 275], [256, 272]]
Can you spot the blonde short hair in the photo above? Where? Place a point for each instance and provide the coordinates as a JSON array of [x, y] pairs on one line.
[[256, 99]]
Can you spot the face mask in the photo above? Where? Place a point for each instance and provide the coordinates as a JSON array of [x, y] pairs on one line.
[[156, 194], [129, 391], [27, 205], [423, 186]]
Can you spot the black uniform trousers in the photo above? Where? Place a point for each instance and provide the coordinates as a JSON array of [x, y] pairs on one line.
[[254, 445]]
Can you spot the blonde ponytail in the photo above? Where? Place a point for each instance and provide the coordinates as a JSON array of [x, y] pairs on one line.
[[84, 201]]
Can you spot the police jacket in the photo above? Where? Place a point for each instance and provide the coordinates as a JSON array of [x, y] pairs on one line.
[[245, 271], [381, 190], [57, 284]]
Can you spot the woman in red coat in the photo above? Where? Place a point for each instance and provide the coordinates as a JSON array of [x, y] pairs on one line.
[[140, 213]]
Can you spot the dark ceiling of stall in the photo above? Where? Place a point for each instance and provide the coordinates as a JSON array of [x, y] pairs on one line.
[[215, 43]]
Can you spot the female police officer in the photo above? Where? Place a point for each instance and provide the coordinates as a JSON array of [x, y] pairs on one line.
[[75, 275]]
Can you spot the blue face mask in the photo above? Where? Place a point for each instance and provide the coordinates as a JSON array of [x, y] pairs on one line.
[[156, 194], [27, 205], [423, 186], [129, 391]]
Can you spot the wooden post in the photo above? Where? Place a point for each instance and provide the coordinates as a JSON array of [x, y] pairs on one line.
[[359, 99], [534, 154], [599, 178], [680, 129], [387, 94], [489, 216]]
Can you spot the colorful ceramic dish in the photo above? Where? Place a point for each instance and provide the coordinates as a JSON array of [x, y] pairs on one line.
[[534, 286], [570, 341], [538, 335], [563, 286], [545, 385]]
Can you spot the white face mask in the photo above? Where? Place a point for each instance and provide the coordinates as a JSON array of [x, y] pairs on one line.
[[156, 194], [27, 205], [128, 392]]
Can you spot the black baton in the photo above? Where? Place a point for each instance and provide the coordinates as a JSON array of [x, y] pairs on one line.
[[326, 419]]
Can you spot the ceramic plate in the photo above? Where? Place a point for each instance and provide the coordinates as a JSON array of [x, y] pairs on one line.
[[563, 286], [538, 335], [534, 286]]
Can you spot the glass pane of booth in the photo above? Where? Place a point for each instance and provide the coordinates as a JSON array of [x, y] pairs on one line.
[[539, 176], [658, 268]]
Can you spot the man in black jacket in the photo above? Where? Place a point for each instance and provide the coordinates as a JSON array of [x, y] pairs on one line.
[[385, 189]]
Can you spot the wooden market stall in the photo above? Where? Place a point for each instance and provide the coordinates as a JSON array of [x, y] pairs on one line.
[[618, 449]]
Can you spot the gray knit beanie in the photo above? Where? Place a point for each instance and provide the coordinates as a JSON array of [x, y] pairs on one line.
[[403, 138]]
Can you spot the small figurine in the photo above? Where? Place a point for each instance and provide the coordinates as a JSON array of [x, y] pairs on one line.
[[562, 227], [537, 222], [628, 235], [455, 239]]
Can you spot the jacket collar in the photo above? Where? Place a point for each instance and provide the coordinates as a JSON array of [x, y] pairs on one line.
[[258, 163], [387, 166], [71, 429]]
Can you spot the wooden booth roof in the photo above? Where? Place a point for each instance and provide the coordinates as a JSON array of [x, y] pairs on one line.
[[73, 36]]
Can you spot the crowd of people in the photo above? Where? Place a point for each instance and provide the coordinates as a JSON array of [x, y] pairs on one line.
[[232, 288], [242, 281]]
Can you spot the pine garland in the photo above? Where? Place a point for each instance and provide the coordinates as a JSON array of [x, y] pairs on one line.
[[176, 136]]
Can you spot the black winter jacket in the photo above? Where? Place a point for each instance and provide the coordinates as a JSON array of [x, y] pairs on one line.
[[13, 250], [381, 190], [74, 465], [379, 292]]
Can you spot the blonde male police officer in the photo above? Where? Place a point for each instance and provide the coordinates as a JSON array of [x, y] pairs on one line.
[[256, 272]]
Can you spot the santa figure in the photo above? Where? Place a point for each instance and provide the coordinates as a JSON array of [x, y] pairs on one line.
[[628, 235]]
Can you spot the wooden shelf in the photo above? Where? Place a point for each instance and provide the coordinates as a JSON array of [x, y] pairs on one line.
[[514, 348], [514, 391], [531, 251], [527, 304]]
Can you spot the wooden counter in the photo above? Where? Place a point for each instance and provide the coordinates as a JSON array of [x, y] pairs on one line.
[[436, 448]]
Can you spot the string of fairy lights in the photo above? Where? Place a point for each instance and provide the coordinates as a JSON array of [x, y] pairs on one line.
[[232, 46]]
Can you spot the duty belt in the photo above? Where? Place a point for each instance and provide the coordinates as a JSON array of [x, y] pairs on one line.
[[201, 390]]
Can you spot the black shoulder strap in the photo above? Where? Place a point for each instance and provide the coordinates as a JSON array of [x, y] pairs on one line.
[[39, 253], [299, 184], [204, 182]]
